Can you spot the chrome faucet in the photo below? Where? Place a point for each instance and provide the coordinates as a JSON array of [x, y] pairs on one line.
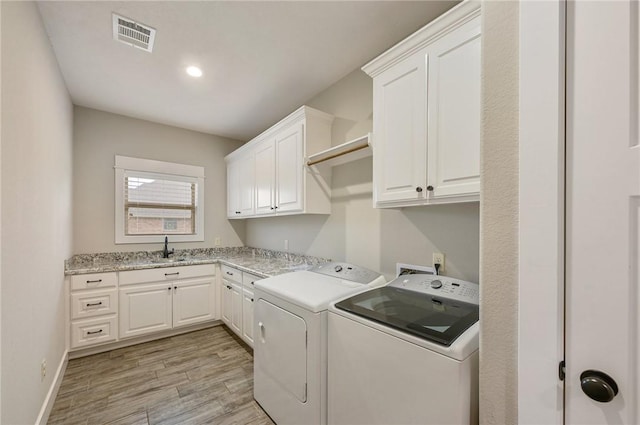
[[166, 253]]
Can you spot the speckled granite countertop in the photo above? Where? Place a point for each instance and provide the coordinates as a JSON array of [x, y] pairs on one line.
[[261, 262]]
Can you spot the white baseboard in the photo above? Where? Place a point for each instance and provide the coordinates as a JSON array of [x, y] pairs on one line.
[[45, 411]]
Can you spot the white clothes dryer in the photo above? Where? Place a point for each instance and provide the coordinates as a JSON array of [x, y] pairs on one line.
[[290, 338], [405, 353]]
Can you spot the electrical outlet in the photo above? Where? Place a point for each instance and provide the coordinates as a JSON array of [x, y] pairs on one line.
[[217, 241], [286, 244], [43, 369], [438, 258]]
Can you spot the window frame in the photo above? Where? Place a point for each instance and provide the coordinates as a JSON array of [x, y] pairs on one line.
[[182, 172]]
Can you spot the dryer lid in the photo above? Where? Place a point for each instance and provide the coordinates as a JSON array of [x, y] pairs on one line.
[[309, 290]]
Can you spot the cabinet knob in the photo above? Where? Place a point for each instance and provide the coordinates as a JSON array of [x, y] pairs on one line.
[[430, 188], [272, 208], [418, 189], [275, 207], [169, 288]]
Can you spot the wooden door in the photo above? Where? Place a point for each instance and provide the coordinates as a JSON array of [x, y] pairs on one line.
[[603, 214]]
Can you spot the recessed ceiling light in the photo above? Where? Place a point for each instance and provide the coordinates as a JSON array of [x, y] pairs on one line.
[[194, 71]]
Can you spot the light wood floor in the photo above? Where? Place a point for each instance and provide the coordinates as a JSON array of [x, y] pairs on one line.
[[203, 377]]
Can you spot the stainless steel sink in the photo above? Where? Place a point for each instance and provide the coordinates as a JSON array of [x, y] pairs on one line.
[[167, 260]]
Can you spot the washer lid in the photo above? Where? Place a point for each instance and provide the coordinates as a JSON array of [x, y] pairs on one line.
[[309, 290], [432, 317]]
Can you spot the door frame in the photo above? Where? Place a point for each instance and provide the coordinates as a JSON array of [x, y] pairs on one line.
[[542, 29]]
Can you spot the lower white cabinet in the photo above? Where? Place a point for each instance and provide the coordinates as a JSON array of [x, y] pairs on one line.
[[236, 308], [237, 302], [247, 316], [93, 309], [152, 307], [193, 301], [145, 309], [107, 307]]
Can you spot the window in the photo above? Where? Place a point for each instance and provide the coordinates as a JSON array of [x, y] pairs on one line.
[[155, 198]]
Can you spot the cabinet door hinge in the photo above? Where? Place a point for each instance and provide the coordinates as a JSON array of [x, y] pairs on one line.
[[561, 370]]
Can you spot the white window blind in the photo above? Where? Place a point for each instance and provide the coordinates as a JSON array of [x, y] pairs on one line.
[[156, 198], [159, 204]]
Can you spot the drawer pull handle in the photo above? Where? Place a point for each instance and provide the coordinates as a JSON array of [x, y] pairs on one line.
[[229, 273], [172, 274], [99, 331], [252, 283], [94, 304], [94, 281], [228, 287]]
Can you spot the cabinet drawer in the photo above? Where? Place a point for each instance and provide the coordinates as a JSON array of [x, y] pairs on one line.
[[93, 303], [93, 331], [231, 274], [166, 273], [248, 280], [93, 281]]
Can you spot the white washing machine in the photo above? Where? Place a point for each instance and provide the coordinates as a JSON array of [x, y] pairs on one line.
[[290, 338], [405, 353]]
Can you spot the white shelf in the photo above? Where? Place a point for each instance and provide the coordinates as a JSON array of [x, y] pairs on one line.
[[347, 152]]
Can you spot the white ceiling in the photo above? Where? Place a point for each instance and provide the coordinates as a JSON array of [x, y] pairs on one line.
[[261, 60]]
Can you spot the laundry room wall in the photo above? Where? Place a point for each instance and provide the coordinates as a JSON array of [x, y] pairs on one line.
[[99, 136], [37, 124], [355, 231]]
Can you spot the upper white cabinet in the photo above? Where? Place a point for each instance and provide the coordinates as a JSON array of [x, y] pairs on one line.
[[426, 113], [278, 182], [240, 186]]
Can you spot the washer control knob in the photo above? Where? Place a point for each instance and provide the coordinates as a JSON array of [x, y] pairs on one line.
[[338, 269], [436, 284]]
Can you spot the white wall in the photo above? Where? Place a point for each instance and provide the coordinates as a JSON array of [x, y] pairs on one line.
[[36, 211], [99, 136], [499, 215], [355, 231]]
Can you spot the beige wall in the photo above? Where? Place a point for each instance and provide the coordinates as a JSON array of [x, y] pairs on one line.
[[355, 231], [36, 215], [499, 215], [99, 136]]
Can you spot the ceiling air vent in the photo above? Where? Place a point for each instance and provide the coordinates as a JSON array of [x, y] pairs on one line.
[[133, 33]]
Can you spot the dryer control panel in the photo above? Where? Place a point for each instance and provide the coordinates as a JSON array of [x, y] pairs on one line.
[[446, 287], [348, 272]]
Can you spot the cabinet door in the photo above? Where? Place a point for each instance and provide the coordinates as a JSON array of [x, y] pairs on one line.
[[236, 309], [145, 309], [246, 178], [453, 103], [226, 306], [233, 189], [193, 301], [399, 125], [289, 169], [247, 316], [265, 158]]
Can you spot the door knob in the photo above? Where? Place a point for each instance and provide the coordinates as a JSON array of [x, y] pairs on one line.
[[598, 385]]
